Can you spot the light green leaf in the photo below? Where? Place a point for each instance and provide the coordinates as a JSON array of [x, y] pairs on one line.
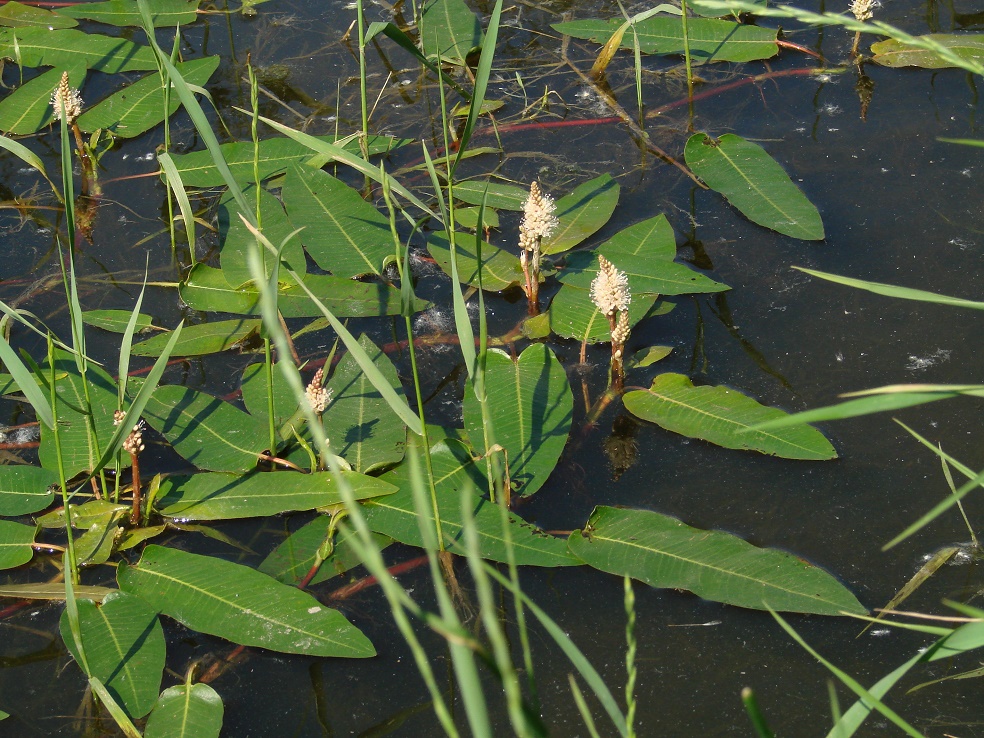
[[500, 269], [903, 293], [14, 15], [255, 394], [500, 197], [124, 648], [139, 107], [84, 516], [395, 515], [574, 315], [582, 212], [754, 183], [724, 417], [240, 604], [292, 560], [15, 544], [449, 30], [69, 47], [207, 432], [126, 13], [115, 321], [186, 711], [530, 412], [95, 546], [664, 552], [25, 489], [207, 289], [711, 40], [468, 218], [28, 108], [226, 496], [203, 339], [54, 591], [343, 233], [359, 422], [892, 53]]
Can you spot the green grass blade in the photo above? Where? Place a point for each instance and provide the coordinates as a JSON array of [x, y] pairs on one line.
[[26, 382], [30, 158], [848, 724], [936, 511], [173, 179], [888, 290], [126, 344], [582, 707], [482, 74], [855, 408]]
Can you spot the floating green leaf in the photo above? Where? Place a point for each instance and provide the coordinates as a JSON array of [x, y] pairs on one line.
[[226, 496], [139, 107], [754, 183], [359, 422], [449, 30], [202, 339], [207, 289], [25, 489], [343, 233], [500, 196], [664, 552], [84, 516], [95, 546], [530, 413], [124, 648], [582, 213], [115, 321], [292, 560], [207, 432], [186, 711], [28, 108], [66, 48], [197, 169], [500, 269], [574, 315], [724, 417], [240, 604], [892, 53], [395, 515], [14, 15], [15, 544], [126, 12], [711, 40]]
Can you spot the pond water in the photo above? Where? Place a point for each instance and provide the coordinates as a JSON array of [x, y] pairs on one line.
[[898, 205]]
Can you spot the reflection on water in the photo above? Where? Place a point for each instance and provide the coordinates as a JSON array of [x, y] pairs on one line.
[[899, 206]]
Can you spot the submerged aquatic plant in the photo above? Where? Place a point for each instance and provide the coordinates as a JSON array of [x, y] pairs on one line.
[[539, 222]]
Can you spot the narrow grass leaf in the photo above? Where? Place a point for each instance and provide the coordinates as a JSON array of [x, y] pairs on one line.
[[888, 290], [27, 383]]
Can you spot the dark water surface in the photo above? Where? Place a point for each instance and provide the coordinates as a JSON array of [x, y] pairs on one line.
[[898, 206]]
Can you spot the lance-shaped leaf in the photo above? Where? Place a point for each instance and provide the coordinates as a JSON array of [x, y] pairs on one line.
[[710, 39], [500, 269], [450, 30], [724, 417], [186, 711], [138, 108], [754, 183], [28, 108], [124, 648], [574, 315], [14, 15], [126, 12], [582, 213], [41, 47], [500, 196], [207, 432], [225, 496], [116, 321], [530, 410], [15, 544], [343, 233], [240, 604], [202, 339], [208, 290], [664, 552], [359, 422], [25, 489], [395, 516], [892, 53]]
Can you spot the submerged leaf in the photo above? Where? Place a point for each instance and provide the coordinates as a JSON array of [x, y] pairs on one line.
[[892, 53], [724, 417], [664, 552]]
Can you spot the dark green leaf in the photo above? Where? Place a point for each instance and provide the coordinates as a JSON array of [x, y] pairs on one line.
[[343, 233], [207, 289], [186, 711], [25, 489], [450, 30], [500, 269], [95, 546], [240, 604], [227, 496], [530, 410], [255, 394], [15, 544], [754, 183], [126, 13], [500, 196], [15, 15], [115, 321], [582, 212], [28, 108], [207, 432], [203, 339], [711, 40], [359, 422], [574, 315], [663, 552], [65, 48], [724, 417], [124, 648]]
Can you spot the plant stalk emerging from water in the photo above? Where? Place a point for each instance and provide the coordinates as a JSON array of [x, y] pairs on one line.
[[611, 295], [539, 222]]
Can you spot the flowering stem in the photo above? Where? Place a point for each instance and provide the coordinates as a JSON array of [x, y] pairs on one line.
[[135, 469]]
